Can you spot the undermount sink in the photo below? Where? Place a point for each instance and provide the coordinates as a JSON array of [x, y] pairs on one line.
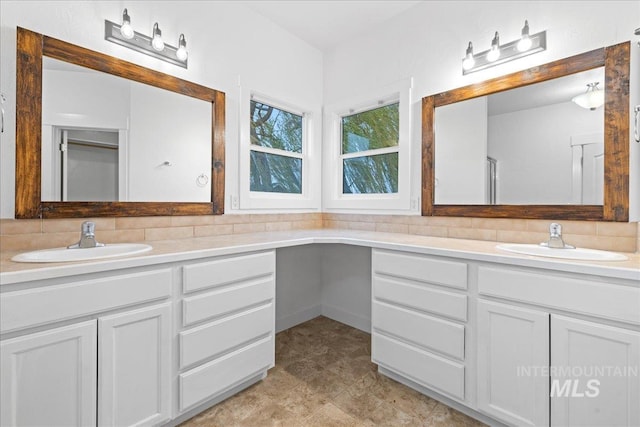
[[576, 253], [84, 254]]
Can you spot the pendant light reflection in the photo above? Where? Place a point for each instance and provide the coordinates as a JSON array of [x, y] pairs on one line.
[[525, 41], [592, 98], [182, 53], [468, 62]]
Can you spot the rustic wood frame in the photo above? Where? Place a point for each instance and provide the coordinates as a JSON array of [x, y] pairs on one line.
[[615, 59], [31, 47]]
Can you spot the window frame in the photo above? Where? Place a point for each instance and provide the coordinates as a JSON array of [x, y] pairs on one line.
[[272, 200], [334, 198]]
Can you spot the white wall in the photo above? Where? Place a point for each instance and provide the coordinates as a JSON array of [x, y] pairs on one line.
[[534, 154], [428, 41], [227, 42], [461, 161]]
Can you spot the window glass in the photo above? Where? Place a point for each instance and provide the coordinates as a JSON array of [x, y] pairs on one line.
[[275, 128], [273, 173], [275, 150], [370, 130], [370, 174]]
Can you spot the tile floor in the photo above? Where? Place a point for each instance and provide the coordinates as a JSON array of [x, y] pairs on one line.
[[324, 377]]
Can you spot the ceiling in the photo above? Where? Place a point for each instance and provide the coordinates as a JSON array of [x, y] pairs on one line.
[[325, 23]]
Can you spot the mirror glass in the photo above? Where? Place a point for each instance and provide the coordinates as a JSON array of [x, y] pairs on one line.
[[526, 146], [106, 138]]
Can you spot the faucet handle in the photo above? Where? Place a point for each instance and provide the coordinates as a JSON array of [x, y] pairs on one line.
[[88, 228], [555, 229]]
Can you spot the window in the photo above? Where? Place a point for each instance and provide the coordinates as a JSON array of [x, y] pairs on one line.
[[276, 149], [368, 151], [276, 168]]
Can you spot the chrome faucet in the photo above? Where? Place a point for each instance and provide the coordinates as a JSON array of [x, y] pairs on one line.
[[87, 237], [555, 238]]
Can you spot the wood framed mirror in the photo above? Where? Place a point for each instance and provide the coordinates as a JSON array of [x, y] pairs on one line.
[[32, 48], [615, 164]]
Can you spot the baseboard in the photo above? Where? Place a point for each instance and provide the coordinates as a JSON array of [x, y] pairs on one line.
[[298, 317], [353, 320]]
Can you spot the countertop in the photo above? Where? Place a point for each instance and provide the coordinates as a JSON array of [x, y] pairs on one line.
[[195, 248]]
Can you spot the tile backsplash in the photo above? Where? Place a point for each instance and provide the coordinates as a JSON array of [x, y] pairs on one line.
[[20, 235]]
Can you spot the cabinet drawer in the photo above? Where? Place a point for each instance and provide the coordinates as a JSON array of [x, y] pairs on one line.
[[214, 338], [421, 297], [210, 379], [227, 270], [421, 268], [37, 306], [226, 300], [430, 332], [420, 366], [594, 298]]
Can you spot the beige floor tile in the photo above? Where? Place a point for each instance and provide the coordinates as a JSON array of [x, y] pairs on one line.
[[324, 377]]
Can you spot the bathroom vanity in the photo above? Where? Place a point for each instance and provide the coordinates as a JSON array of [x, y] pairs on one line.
[[156, 338]]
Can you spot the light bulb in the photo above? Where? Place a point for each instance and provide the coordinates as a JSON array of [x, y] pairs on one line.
[[157, 42], [182, 53], [125, 29], [468, 62], [525, 41], [494, 52]]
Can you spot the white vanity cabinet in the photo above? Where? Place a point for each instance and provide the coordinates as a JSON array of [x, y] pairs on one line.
[[49, 378], [418, 319], [97, 368], [540, 366], [228, 325]]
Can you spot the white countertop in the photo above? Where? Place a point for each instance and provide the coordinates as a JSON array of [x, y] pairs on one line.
[[201, 247]]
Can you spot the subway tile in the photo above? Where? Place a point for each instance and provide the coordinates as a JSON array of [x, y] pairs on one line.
[[335, 224], [278, 226], [248, 228], [121, 236], [521, 236], [303, 225], [574, 227], [472, 233], [212, 230], [20, 242], [428, 230], [499, 223], [185, 221], [63, 225], [449, 221], [127, 223], [168, 233], [364, 226], [392, 228], [606, 243], [20, 226], [616, 229]]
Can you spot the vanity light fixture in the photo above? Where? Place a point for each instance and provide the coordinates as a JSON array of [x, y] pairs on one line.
[[124, 35], [500, 53], [592, 98]]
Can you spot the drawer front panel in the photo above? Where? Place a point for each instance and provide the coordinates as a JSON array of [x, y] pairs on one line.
[[420, 297], [427, 331], [421, 268], [210, 379], [226, 300], [227, 270], [37, 306], [420, 366], [214, 338], [615, 302]]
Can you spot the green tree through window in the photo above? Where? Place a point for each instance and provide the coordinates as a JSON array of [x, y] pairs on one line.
[[370, 151], [276, 149]]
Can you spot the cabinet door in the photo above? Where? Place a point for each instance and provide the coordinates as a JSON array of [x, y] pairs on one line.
[[513, 360], [49, 378], [595, 374], [135, 367]]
